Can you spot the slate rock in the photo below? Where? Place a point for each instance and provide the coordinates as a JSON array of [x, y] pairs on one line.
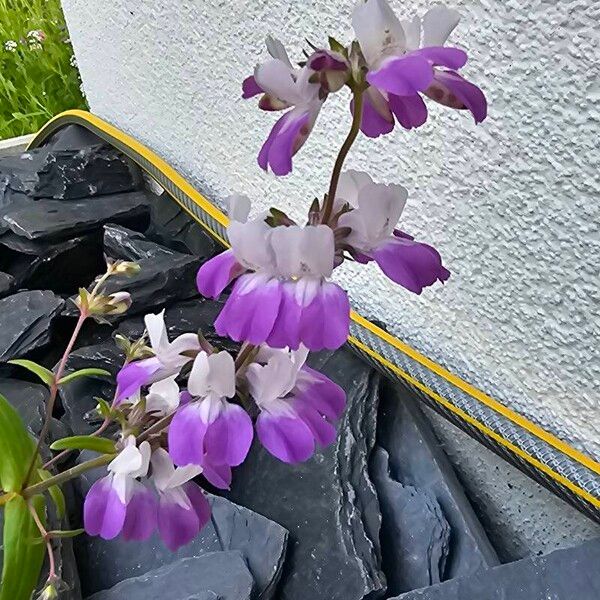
[[55, 218], [214, 576], [11, 200], [6, 283], [21, 170], [62, 266], [72, 137], [415, 535], [328, 504], [263, 543], [561, 575], [25, 320], [165, 275], [79, 397], [171, 226], [90, 171], [416, 459]]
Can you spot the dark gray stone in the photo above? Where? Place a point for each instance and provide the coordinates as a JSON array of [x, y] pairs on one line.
[[12, 201], [263, 543], [561, 575], [25, 320], [328, 504], [55, 218], [214, 576], [82, 173], [6, 283], [21, 169], [415, 535], [171, 226], [417, 460], [79, 397], [72, 137]]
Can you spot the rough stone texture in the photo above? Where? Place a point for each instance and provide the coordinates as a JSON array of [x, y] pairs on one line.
[[91, 171], [328, 504], [262, 543], [6, 283], [55, 218], [25, 320], [418, 461], [511, 204], [173, 227], [560, 575], [520, 516], [215, 576], [22, 169]]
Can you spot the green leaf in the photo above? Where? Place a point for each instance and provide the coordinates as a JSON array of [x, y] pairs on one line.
[[104, 408], [85, 442], [68, 533], [23, 558], [85, 373], [55, 493], [16, 448], [44, 374]]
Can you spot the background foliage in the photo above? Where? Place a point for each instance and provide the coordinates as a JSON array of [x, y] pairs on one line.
[[38, 79]]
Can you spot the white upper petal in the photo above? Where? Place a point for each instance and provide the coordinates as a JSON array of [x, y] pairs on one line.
[[438, 23], [163, 396], [172, 356], [157, 331], [349, 186], [273, 380], [277, 79], [412, 32], [164, 474], [214, 374], [303, 251], [131, 461], [238, 207], [277, 50], [250, 243], [378, 30]]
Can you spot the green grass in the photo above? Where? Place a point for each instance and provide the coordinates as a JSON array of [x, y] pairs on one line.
[[37, 80]]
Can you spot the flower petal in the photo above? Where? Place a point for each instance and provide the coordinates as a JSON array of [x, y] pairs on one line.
[[250, 88], [163, 397], [103, 511], [217, 273], [323, 394], [374, 122], [140, 520], [135, 375], [453, 58], [218, 475], [186, 436], [229, 436], [199, 503], [323, 431], [403, 75], [438, 23], [409, 110], [177, 525], [288, 439]]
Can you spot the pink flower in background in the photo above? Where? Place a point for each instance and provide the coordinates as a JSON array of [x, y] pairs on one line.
[[281, 296], [166, 362], [407, 59], [284, 86], [119, 502], [376, 211], [183, 509], [298, 406], [209, 431]]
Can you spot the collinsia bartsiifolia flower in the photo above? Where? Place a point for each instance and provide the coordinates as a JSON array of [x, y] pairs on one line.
[[168, 358], [282, 295], [406, 59], [298, 406], [376, 209], [209, 431]]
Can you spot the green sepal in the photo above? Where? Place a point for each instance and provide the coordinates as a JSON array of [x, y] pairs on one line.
[[85, 442], [23, 556], [44, 374], [337, 46]]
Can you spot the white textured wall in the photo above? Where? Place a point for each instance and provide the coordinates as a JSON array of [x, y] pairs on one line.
[[512, 204]]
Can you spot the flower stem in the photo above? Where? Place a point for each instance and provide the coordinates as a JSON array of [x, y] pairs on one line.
[[339, 162], [47, 540], [71, 473], [83, 315]]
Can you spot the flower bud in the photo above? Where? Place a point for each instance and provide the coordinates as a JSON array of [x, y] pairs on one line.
[[332, 70], [119, 302], [126, 268]]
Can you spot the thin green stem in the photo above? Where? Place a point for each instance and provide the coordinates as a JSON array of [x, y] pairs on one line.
[[71, 473], [47, 540], [339, 162]]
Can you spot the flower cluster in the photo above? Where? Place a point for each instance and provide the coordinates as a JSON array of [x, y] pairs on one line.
[[187, 409]]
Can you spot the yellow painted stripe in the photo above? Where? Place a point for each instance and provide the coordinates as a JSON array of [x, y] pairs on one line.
[[221, 218], [483, 428]]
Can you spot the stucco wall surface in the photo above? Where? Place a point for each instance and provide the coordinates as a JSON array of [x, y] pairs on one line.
[[512, 204]]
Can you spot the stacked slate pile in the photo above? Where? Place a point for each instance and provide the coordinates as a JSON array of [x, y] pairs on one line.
[[378, 514]]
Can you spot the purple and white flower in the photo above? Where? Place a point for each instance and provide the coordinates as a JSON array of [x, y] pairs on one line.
[[284, 86], [406, 59], [167, 361], [119, 503], [183, 509], [209, 431], [376, 209], [298, 406], [282, 295]]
